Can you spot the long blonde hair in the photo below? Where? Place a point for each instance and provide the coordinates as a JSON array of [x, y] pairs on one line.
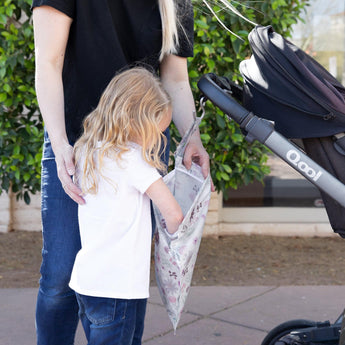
[[130, 109], [170, 23], [172, 17]]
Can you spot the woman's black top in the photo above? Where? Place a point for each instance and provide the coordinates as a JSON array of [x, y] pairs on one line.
[[105, 37]]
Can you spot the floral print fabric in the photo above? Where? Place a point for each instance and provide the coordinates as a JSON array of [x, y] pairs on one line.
[[175, 255]]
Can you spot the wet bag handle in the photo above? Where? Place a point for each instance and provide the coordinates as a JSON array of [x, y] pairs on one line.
[[186, 138]]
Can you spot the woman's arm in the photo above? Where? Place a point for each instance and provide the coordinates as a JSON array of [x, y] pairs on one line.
[[51, 31], [171, 211], [175, 79]]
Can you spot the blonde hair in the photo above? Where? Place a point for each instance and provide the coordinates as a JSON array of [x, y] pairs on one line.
[[170, 23], [172, 14], [130, 109]]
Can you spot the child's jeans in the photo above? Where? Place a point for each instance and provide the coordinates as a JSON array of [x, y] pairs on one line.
[[112, 321], [57, 308]]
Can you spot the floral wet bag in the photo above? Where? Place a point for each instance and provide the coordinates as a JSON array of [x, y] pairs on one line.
[[175, 255]]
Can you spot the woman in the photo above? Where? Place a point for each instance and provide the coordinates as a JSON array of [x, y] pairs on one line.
[[79, 46]]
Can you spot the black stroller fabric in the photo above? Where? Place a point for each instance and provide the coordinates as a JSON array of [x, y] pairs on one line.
[[284, 84], [322, 151]]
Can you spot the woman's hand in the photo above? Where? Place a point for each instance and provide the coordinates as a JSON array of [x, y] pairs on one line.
[[64, 158], [195, 152]]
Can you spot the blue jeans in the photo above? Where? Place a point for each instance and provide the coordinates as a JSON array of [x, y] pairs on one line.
[[109, 321], [57, 307]]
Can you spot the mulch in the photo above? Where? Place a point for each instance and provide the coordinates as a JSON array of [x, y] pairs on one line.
[[231, 260]]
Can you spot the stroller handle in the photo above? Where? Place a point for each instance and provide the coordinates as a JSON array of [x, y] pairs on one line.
[[215, 89], [209, 85]]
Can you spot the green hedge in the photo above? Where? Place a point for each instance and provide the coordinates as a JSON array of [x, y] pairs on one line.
[[21, 131], [233, 161]]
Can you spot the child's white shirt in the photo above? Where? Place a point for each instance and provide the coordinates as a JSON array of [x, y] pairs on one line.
[[116, 231]]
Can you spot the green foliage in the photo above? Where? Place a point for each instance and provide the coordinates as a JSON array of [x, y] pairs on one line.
[[20, 125], [234, 162]]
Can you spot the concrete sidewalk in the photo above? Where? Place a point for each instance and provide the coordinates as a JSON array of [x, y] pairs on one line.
[[219, 315]]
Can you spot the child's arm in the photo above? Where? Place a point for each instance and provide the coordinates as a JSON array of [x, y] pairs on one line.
[[161, 196]]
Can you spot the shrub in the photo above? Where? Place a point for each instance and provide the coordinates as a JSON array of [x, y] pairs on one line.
[[20, 125], [233, 161]]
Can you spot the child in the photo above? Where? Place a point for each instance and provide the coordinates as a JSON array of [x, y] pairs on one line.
[[118, 158]]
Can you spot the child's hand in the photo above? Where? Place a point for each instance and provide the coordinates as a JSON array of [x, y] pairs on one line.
[[173, 226], [172, 236]]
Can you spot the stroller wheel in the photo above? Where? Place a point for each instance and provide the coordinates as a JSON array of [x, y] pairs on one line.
[[285, 328]]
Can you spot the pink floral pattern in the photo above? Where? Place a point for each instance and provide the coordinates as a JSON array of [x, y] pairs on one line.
[[175, 256]]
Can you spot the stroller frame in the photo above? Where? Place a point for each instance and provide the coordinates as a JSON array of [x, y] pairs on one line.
[[263, 131], [256, 128]]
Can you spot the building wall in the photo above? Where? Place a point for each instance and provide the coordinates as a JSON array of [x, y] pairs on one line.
[[16, 215], [221, 221]]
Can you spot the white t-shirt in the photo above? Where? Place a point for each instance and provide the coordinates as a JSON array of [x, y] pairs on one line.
[[115, 229]]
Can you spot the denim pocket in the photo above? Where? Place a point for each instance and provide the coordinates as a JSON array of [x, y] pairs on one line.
[[99, 310]]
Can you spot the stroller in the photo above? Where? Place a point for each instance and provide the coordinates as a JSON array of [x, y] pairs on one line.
[[286, 90]]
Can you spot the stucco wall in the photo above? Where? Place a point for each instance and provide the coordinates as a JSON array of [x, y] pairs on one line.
[[16, 215]]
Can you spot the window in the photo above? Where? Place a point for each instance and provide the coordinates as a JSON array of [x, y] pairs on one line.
[[322, 36]]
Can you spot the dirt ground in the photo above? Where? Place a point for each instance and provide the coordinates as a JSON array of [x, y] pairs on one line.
[[232, 260]]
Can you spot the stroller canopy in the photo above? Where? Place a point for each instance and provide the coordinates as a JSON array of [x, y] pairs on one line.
[[284, 84]]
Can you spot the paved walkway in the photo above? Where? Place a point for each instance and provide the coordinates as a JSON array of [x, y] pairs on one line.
[[213, 315]]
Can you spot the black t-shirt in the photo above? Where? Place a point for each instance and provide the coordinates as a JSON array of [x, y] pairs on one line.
[[105, 37]]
